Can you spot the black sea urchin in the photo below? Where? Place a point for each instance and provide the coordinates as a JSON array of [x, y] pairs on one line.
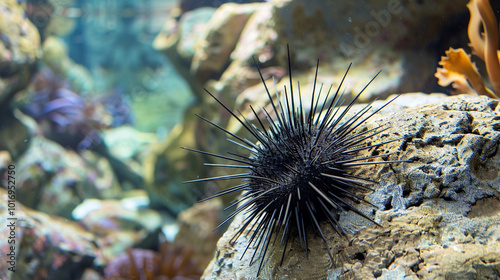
[[297, 171]]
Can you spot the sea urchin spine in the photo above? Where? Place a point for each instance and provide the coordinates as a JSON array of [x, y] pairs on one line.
[[297, 171]]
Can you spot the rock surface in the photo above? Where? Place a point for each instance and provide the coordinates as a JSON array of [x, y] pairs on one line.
[[369, 34], [222, 62], [119, 224], [213, 53], [19, 49], [45, 247], [56, 57], [197, 225], [55, 180], [440, 214]]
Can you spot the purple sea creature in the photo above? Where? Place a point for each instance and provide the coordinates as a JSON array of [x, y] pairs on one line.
[[65, 116], [73, 121]]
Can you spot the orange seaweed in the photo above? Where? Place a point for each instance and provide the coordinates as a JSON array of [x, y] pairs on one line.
[[457, 66], [457, 70]]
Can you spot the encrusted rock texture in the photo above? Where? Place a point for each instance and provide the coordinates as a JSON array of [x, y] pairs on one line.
[[46, 247], [19, 49], [369, 34], [439, 214], [55, 180], [214, 49]]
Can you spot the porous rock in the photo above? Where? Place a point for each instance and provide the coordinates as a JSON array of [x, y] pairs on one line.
[[119, 224], [196, 229], [19, 49], [440, 213], [369, 34], [212, 53], [55, 180], [45, 247], [314, 30], [14, 135]]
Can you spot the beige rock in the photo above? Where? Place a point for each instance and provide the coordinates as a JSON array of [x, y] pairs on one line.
[[314, 30], [19, 49], [55, 180], [55, 55], [46, 246], [212, 53], [369, 35], [426, 230], [197, 225]]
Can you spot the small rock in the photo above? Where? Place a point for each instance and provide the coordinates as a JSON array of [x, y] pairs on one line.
[[55, 180], [45, 247], [197, 226]]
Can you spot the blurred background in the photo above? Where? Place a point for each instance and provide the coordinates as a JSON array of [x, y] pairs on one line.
[[97, 97]]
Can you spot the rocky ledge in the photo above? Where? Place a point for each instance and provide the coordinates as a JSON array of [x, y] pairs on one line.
[[439, 214]]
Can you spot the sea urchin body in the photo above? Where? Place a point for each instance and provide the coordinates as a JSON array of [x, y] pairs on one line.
[[297, 174]]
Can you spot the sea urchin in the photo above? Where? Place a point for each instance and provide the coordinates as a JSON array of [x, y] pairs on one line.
[[297, 172]]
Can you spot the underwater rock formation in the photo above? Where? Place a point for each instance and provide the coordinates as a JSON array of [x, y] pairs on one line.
[[315, 30], [177, 40], [56, 57], [19, 53], [119, 224], [19, 50], [212, 53], [55, 180], [196, 228], [379, 33], [47, 247], [439, 214]]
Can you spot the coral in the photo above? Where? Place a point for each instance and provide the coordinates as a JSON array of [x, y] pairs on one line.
[[19, 50], [457, 66], [64, 115], [47, 247], [173, 262], [73, 121]]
